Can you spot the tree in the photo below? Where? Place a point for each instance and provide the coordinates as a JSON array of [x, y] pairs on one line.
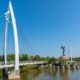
[[37, 58], [43, 58], [24, 57], [0, 58], [47, 58], [11, 57], [31, 58], [63, 62]]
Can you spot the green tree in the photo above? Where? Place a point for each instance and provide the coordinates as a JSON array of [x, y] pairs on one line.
[[11, 57], [24, 57], [63, 62], [0, 58], [31, 58], [43, 59], [20, 57], [37, 58], [47, 58]]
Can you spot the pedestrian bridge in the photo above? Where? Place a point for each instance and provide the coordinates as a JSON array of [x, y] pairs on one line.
[[12, 64]]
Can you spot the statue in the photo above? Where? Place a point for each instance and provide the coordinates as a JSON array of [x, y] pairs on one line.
[[63, 56], [63, 47]]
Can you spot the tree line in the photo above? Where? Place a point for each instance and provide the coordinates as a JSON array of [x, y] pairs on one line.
[[25, 57]]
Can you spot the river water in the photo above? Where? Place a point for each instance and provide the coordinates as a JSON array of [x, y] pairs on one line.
[[50, 74]]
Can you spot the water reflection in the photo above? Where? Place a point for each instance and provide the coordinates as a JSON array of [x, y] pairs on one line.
[[39, 73], [63, 74], [49, 74], [31, 74]]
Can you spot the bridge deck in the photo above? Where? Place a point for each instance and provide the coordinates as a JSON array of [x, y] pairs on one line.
[[11, 64]]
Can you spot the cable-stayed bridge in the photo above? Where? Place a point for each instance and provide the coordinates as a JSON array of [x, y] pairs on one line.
[[10, 20]]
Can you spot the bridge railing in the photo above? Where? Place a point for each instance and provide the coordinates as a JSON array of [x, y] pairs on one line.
[[21, 62], [11, 64]]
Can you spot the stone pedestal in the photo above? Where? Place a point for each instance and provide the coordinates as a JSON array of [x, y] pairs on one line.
[[14, 75], [64, 57]]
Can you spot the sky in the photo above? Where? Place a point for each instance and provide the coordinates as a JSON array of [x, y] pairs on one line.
[[48, 24]]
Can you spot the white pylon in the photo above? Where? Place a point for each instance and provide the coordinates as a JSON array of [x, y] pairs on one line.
[[70, 54], [9, 13], [5, 37]]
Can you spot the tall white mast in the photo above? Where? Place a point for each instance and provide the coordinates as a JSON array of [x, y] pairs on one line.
[[70, 54], [11, 12], [5, 38]]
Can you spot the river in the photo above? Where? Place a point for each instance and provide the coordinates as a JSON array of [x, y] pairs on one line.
[[50, 74]]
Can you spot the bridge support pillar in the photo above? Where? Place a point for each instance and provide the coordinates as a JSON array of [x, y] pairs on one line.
[[14, 75], [5, 72]]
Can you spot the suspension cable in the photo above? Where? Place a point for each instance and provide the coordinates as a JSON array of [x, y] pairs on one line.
[[22, 43], [25, 39]]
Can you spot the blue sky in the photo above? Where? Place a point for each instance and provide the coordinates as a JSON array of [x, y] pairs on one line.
[[48, 24]]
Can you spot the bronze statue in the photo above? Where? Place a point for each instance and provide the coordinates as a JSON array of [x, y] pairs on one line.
[[63, 47]]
